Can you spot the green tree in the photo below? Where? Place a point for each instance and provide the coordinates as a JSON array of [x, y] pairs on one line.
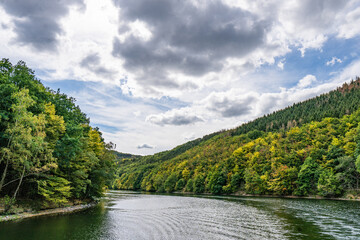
[[328, 184], [235, 182], [347, 172], [189, 185], [55, 190], [199, 183], [170, 183], [217, 181], [26, 152], [308, 177], [180, 184]]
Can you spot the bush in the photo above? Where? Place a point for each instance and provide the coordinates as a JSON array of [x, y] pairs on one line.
[[328, 185], [8, 203], [190, 185], [180, 184]]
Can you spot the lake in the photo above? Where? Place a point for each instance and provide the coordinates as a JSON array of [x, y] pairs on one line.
[[132, 215]]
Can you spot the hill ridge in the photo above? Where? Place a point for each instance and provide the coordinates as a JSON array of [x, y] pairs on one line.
[[214, 163]]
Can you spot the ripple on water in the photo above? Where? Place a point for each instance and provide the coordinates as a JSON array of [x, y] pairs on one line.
[[175, 217], [134, 216]]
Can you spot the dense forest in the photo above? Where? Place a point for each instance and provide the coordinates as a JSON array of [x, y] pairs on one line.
[[49, 152], [310, 148]]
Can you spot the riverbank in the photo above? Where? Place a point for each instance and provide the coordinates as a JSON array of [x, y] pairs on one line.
[[47, 212], [345, 197]]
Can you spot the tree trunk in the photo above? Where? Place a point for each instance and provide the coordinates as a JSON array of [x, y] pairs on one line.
[[18, 187], [4, 175], [7, 161]]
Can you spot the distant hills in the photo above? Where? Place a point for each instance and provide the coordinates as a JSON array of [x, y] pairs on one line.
[[308, 148], [121, 155]]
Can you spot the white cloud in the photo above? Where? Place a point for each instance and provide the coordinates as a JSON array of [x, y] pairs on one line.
[[176, 117], [219, 87], [351, 21], [281, 64], [333, 61], [306, 81]]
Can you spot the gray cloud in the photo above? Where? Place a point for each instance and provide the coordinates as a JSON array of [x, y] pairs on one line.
[[92, 62], [228, 107], [37, 21], [318, 14], [185, 39], [174, 118], [145, 146]]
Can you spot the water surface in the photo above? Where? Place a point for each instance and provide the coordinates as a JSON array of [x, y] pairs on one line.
[[131, 215]]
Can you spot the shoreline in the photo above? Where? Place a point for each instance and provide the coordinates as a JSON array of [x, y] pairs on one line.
[[47, 212], [81, 207], [350, 197], [314, 197]]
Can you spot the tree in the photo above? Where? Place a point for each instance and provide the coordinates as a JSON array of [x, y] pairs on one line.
[[346, 172], [180, 184], [190, 185], [46, 143], [199, 183], [170, 182], [328, 185], [235, 181], [217, 181], [55, 190], [26, 150], [308, 177], [55, 125]]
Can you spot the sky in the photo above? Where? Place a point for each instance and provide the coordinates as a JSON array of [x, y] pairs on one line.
[[153, 74]]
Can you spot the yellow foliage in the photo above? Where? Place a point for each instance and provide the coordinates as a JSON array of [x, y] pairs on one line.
[[335, 142], [95, 142]]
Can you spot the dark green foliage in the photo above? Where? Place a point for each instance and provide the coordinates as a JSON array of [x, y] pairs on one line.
[[346, 173], [235, 182], [170, 183], [254, 134], [216, 182], [308, 177], [48, 149], [328, 185], [189, 186], [180, 184], [337, 103], [121, 156], [199, 184], [306, 149]]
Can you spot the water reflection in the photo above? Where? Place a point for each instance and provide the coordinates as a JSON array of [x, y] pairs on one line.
[[129, 215]]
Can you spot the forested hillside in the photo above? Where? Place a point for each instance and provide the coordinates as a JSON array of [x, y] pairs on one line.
[[120, 155], [49, 152], [309, 148]]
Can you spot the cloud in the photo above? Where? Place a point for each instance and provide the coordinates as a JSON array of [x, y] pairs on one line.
[[145, 146], [175, 117], [230, 104], [350, 22], [281, 64], [192, 67], [37, 22], [333, 61], [185, 39], [306, 81], [188, 136], [92, 63]]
